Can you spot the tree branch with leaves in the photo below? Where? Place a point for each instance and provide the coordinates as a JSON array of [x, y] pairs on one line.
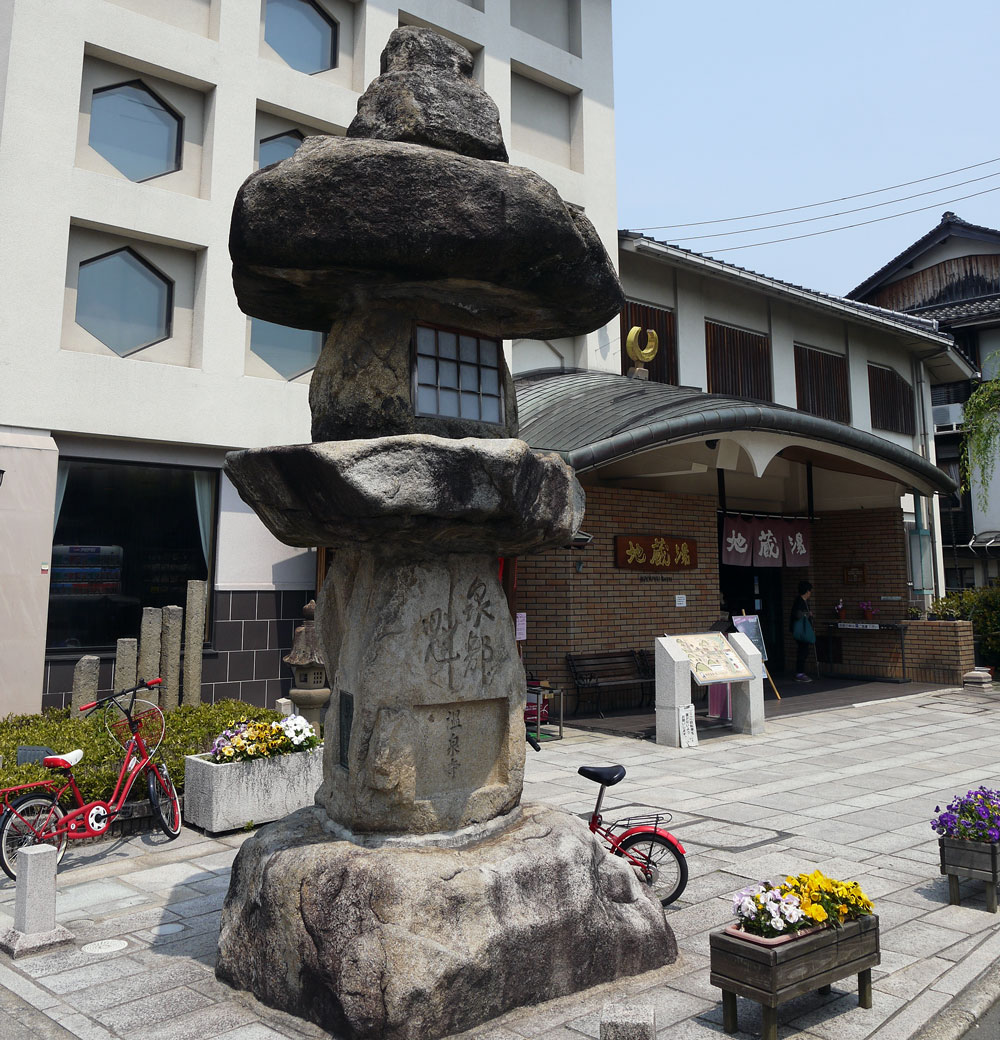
[[981, 445]]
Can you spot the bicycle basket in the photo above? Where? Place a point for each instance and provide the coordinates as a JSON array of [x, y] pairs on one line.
[[150, 726]]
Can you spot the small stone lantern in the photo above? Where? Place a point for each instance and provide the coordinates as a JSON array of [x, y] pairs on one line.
[[309, 692]]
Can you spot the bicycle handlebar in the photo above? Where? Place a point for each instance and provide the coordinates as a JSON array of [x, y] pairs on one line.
[[143, 684]]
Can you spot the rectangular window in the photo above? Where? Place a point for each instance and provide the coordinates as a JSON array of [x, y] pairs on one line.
[[821, 383], [127, 536], [891, 399], [739, 362], [663, 368], [458, 375]]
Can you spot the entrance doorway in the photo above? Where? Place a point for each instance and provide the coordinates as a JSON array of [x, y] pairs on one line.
[[758, 591]]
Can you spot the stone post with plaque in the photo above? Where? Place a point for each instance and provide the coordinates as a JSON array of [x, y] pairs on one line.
[[418, 897]]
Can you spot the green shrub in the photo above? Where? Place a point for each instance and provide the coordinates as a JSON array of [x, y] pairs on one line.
[[981, 606], [190, 730]]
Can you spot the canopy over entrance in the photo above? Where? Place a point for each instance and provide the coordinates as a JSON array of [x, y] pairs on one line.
[[652, 435]]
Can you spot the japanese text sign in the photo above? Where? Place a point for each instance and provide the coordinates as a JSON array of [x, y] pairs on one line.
[[655, 553], [737, 541]]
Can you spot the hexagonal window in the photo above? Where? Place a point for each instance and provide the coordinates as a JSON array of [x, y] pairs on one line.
[[137, 132], [124, 301], [281, 146], [292, 352], [302, 34]]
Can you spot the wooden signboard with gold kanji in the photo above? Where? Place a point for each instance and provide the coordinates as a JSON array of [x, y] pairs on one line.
[[654, 552]]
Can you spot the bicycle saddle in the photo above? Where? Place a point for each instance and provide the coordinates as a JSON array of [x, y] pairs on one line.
[[607, 775], [66, 761]]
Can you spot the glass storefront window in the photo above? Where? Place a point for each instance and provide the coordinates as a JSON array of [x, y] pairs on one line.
[[127, 536]]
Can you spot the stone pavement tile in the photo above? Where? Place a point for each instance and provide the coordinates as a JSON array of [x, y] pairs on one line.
[[842, 1019], [165, 877], [203, 948], [929, 895], [715, 913], [199, 905], [670, 1006], [791, 801], [76, 898], [189, 927], [890, 961], [957, 951], [216, 883], [892, 915], [918, 869], [879, 886], [217, 860], [87, 930], [916, 937], [158, 977], [771, 865], [911, 1017], [888, 841], [826, 811], [697, 984], [970, 967], [196, 1025], [827, 849], [100, 973], [254, 1031], [25, 989], [915, 978], [962, 919], [65, 958], [717, 883], [837, 831], [785, 822], [81, 1026], [151, 1008]]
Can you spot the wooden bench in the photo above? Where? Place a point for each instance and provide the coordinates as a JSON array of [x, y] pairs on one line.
[[611, 670]]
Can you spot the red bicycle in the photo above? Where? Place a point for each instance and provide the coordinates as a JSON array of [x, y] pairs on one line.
[[36, 816], [654, 852]]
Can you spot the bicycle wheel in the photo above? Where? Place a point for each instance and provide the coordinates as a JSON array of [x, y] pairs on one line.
[[663, 867], [163, 798], [39, 812]]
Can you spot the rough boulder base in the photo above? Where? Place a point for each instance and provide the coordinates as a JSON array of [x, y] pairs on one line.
[[418, 942]]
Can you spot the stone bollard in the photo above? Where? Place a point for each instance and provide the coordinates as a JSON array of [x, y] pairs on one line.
[[126, 663], [285, 706], [172, 627], [85, 681], [35, 925], [978, 679], [194, 638], [628, 1022]]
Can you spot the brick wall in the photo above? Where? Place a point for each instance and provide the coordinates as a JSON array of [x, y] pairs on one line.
[[939, 651], [603, 607]]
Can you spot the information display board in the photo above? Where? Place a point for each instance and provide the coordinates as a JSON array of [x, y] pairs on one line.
[[749, 625], [712, 659]]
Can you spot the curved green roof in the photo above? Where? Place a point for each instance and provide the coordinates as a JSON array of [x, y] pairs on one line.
[[592, 418]]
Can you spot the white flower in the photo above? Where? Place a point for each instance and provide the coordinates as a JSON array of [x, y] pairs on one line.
[[777, 924], [747, 907]]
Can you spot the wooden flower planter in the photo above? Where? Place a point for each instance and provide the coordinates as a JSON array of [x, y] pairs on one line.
[[961, 858], [773, 974]]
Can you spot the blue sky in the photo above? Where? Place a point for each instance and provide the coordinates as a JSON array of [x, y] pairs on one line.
[[725, 108]]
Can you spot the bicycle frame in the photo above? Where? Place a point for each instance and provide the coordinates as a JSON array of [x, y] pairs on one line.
[[86, 819], [633, 825]]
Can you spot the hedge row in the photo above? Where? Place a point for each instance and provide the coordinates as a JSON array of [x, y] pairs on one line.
[[190, 730]]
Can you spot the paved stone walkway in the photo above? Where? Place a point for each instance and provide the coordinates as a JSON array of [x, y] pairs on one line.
[[848, 790]]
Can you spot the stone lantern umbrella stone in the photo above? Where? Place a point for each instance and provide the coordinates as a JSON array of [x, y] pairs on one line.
[[417, 897]]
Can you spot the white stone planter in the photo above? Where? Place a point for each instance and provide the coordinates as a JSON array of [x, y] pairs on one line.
[[226, 796]]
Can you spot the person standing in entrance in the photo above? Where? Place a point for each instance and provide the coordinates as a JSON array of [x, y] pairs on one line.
[[802, 630]]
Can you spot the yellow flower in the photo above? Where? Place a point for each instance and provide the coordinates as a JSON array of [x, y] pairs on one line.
[[816, 912]]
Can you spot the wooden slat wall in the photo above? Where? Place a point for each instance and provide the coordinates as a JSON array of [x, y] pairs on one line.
[[892, 402], [821, 383], [739, 362], [663, 368], [962, 278]]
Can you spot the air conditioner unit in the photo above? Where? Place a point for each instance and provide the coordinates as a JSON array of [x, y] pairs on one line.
[[948, 415]]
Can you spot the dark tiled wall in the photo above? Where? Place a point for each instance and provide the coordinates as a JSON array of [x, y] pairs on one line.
[[251, 633]]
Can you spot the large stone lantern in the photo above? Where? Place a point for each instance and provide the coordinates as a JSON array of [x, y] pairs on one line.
[[418, 897]]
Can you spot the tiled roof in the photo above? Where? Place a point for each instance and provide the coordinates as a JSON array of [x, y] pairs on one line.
[[917, 322], [986, 307], [592, 418], [950, 224]]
